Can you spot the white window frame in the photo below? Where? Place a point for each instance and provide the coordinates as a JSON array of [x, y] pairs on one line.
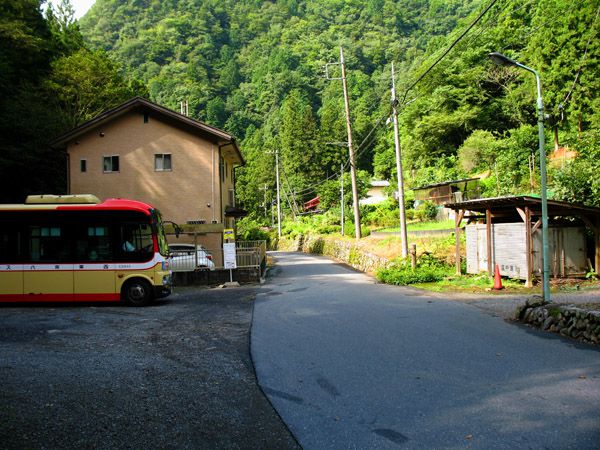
[[111, 170], [160, 157]]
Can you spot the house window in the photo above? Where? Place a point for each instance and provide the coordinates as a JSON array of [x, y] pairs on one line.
[[231, 197], [222, 168], [83, 165], [162, 162], [111, 163]]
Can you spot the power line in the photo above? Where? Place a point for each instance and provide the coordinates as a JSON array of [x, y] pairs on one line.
[[364, 145], [443, 55], [360, 149], [583, 58]]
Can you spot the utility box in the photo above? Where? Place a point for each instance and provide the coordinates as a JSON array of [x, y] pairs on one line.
[[567, 249]]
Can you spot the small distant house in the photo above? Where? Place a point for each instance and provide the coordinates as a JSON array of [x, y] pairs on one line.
[[144, 151], [312, 206], [507, 231], [376, 193]]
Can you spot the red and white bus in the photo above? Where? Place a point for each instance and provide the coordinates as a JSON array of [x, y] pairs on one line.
[[76, 248]]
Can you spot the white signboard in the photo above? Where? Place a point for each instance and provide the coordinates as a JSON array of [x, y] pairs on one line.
[[229, 255]]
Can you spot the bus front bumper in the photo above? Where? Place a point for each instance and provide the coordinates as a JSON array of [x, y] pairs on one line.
[[165, 289]]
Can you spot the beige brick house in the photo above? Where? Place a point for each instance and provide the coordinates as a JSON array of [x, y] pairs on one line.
[[146, 152]]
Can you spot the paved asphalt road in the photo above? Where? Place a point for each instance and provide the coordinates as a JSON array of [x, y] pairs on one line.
[[349, 363]]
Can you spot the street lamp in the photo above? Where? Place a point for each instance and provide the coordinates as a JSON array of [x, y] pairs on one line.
[[501, 60]]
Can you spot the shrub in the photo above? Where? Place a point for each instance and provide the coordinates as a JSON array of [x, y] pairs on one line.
[[328, 229], [426, 211], [251, 230], [428, 269]]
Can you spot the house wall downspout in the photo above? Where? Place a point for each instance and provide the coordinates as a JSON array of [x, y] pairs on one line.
[[212, 184], [68, 158], [221, 209]]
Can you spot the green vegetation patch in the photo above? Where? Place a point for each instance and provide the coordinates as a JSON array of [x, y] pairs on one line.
[[428, 269]]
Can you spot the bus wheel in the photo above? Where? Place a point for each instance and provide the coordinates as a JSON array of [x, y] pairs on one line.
[[136, 293]]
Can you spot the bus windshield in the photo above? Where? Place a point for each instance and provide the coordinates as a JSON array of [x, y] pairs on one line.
[[163, 246]]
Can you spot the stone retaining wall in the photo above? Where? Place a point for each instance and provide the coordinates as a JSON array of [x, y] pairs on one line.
[[346, 251], [567, 320]]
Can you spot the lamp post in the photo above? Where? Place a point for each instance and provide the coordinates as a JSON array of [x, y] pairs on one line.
[[501, 60]]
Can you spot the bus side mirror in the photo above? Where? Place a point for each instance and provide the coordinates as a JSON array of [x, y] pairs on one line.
[[178, 230]]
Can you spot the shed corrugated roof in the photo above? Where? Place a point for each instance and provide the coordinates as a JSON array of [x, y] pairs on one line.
[[510, 203]]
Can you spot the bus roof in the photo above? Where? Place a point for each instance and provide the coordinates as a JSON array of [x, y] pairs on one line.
[[65, 203]]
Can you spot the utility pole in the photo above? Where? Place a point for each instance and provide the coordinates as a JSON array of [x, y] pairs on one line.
[[343, 219], [403, 233], [265, 199], [278, 196], [357, 231]]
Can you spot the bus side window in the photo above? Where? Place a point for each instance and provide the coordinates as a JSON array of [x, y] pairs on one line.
[[47, 244], [93, 243], [10, 240]]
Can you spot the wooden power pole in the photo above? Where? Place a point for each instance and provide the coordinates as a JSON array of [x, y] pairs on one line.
[[403, 233], [357, 231]]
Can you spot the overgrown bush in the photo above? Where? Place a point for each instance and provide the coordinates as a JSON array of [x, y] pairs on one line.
[[426, 211], [328, 229], [251, 230], [428, 269]]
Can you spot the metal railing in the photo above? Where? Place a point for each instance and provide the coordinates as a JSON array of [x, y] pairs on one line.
[[249, 254]]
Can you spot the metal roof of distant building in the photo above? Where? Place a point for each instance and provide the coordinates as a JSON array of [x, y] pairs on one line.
[[446, 183]]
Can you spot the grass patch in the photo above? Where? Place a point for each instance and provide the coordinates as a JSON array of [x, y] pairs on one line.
[[474, 284]]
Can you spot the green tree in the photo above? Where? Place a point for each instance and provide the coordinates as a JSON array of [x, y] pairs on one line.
[[87, 83]]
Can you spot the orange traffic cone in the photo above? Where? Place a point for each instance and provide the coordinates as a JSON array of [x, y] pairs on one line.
[[497, 279]]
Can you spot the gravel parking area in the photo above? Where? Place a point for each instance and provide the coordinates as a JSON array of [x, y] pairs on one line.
[[173, 375]]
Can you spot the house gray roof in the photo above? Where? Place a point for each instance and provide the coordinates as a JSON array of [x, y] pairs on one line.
[[176, 119]]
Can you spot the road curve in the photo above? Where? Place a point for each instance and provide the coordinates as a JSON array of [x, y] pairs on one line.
[[349, 363]]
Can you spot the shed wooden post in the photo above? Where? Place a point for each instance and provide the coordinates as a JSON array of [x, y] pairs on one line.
[[594, 226], [528, 247], [526, 217], [457, 220], [488, 232], [597, 243]]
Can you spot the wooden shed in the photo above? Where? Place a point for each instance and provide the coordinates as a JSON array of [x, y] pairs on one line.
[[448, 191], [507, 231]]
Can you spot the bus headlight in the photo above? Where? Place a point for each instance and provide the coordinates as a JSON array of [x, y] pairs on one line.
[[166, 281]]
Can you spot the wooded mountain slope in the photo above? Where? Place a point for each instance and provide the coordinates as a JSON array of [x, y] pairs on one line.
[[255, 68]]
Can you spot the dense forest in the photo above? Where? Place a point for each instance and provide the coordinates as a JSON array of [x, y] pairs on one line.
[[256, 69], [50, 81]]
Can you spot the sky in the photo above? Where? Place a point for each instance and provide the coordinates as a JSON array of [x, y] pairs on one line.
[[80, 6]]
